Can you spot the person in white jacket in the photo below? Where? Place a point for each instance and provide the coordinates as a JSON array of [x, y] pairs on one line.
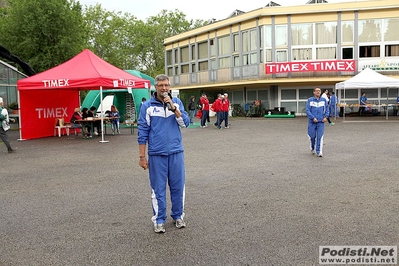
[[4, 126], [325, 96]]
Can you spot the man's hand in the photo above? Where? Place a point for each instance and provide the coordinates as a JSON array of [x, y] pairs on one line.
[[143, 163]]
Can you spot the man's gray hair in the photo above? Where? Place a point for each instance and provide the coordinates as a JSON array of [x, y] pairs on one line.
[[161, 77]]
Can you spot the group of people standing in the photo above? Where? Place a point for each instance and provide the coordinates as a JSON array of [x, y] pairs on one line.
[[220, 106]]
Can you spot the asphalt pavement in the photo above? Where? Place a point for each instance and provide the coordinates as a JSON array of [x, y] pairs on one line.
[[255, 195]]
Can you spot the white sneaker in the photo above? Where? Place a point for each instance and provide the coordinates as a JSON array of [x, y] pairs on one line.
[[95, 133], [313, 151], [159, 228], [179, 223], [319, 155]]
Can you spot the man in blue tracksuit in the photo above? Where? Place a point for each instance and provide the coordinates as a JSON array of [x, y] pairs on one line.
[[317, 111], [333, 105], [159, 125]]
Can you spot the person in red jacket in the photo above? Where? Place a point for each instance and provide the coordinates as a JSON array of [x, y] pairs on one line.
[[217, 108], [205, 109], [225, 110]]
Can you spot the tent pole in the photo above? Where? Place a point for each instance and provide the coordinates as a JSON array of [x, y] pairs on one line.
[[102, 116], [386, 115], [19, 117]]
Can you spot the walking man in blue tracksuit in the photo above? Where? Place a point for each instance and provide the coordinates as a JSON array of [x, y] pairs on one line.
[[317, 111], [159, 125]]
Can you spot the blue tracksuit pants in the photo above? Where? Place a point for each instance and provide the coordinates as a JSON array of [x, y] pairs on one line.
[[316, 135], [167, 170]]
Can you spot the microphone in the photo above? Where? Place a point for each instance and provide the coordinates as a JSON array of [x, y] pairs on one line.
[[167, 104]]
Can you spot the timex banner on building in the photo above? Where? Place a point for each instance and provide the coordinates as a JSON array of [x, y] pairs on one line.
[[332, 65]]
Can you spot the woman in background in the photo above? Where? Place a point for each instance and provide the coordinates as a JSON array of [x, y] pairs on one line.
[[114, 115]]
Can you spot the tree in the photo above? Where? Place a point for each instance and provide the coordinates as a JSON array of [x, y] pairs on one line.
[[44, 33], [150, 35], [110, 36]]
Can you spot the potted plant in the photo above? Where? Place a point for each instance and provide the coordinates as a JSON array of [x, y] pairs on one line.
[[14, 107]]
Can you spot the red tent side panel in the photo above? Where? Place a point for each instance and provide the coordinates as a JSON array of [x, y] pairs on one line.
[[41, 108]]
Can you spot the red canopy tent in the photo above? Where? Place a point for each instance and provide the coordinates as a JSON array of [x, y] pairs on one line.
[[54, 93]]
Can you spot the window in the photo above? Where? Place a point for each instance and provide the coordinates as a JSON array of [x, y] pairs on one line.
[[224, 45], [302, 54], [281, 55], [203, 50], [369, 51], [224, 62], [268, 53], [392, 50], [326, 53], [391, 32], [213, 64], [212, 47], [351, 93], [268, 36], [236, 42], [305, 93], [170, 71], [370, 30], [288, 94], [249, 42], [371, 93], [251, 96], [250, 59], [252, 40], [169, 57], [236, 60], [281, 35], [184, 54], [302, 34], [261, 56], [176, 53], [326, 33], [202, 66], [238, 96], [347, 53], [347, 31], [263, 95], [193, 52], [392, 93], [185, 69], [245, 41]]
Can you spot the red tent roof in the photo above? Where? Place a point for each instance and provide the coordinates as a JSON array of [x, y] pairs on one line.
[[85, 71]]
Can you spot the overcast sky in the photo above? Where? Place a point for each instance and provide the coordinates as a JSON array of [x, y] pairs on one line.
[[197, 9]]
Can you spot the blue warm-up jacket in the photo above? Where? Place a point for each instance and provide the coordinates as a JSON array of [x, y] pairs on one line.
[[317, 108], [160, 128]]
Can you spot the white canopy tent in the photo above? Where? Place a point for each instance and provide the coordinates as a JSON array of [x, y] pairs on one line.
[[368, 79]]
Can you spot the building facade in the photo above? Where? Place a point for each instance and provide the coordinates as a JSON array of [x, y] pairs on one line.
[[8, 84], [278, 54]]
